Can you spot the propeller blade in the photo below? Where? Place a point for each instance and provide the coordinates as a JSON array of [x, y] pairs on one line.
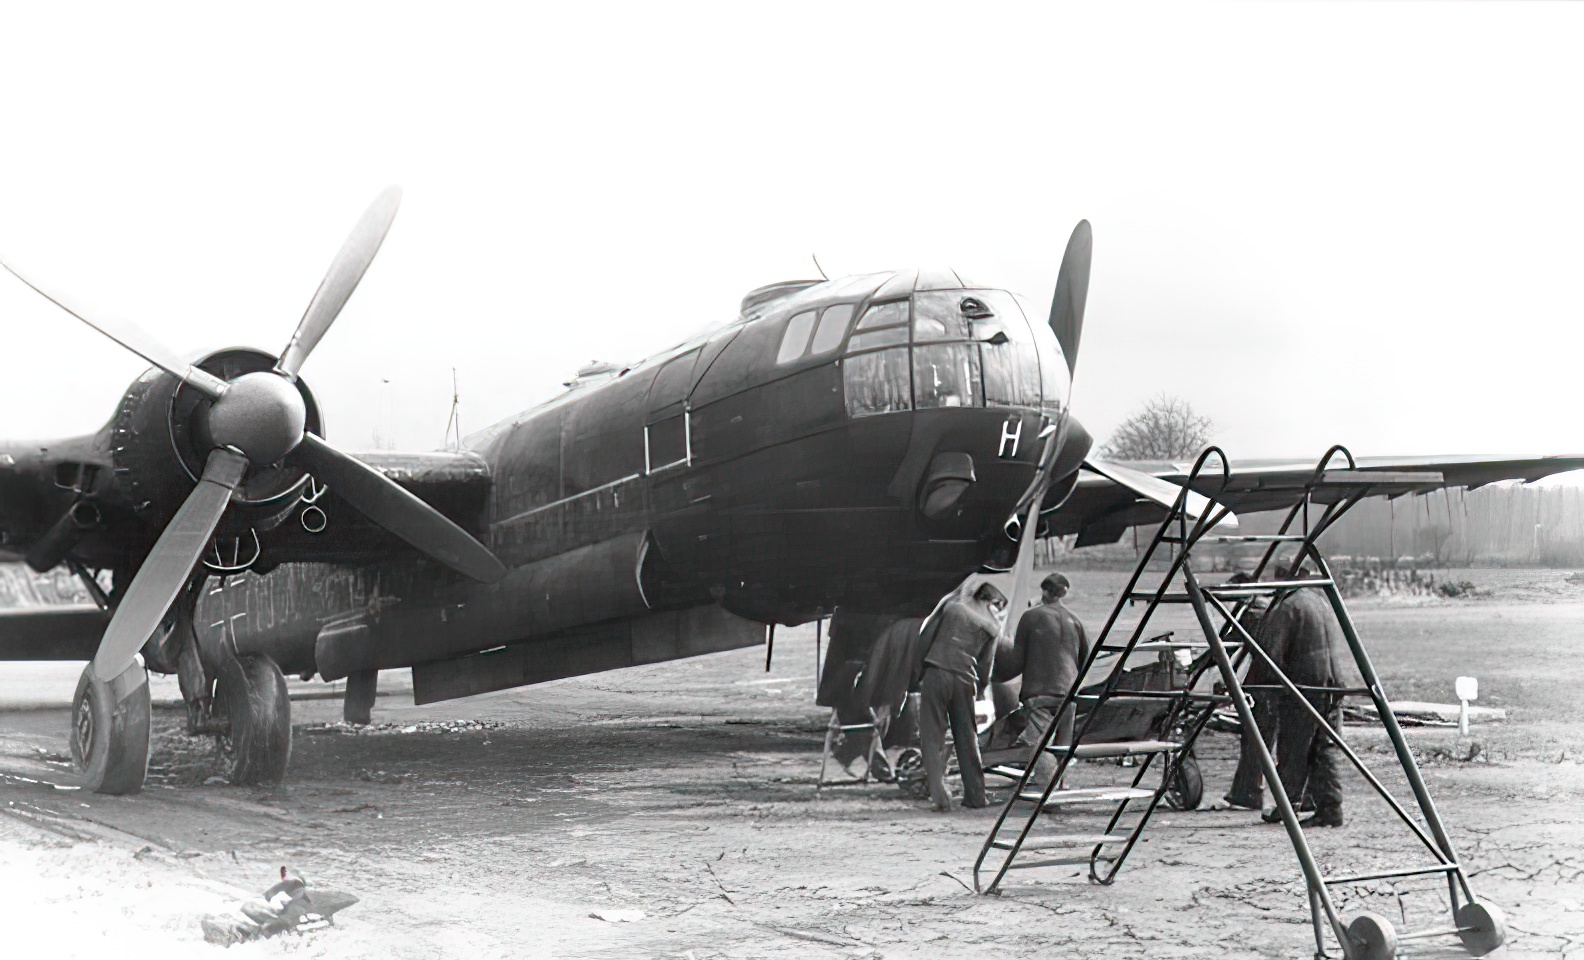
[[165, 571], [134, 338], [1072, 292], [345, 272], [386, 503], [1163, 492], [1023, 567], [1066, 320]]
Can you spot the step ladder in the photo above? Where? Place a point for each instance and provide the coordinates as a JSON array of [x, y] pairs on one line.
[[1015, 841]]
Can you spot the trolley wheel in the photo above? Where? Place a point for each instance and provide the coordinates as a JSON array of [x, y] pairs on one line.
[[1186, 789], [251, 694], [110, 730], [1373, 937], [909, 772], [1481, 927]]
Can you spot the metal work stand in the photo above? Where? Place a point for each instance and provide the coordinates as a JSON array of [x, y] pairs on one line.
[[1226, 646]]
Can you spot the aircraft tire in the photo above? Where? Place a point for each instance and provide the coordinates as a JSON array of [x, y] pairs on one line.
[[110, 730], [251, 695]]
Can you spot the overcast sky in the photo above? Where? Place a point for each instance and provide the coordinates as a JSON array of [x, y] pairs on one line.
[[1335, 222]]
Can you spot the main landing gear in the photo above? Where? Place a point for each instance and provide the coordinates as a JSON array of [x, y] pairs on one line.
[[250, 718], [241, 701]]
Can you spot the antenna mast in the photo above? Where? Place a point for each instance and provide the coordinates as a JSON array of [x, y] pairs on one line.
[[454, 422]]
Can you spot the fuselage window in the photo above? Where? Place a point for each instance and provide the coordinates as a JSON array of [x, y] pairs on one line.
[[1011, 363], [876, 382], [832, 327], [879, 382], [666, 442], [884, 314], [937, 315], [946, 375], [870, 339], [796, 338]]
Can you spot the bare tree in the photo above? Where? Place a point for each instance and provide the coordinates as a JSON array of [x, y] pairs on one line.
[[1165, 428]]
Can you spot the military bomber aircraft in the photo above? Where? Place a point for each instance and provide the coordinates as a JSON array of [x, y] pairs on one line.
[[850, 447]]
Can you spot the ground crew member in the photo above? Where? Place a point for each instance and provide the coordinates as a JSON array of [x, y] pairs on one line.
[[1303, 637], [1248, 783], [954, 668], [1047, 651]]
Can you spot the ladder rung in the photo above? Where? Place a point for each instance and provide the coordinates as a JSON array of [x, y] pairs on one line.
[[1120, 748], [1058, 840], [1145, 646], [1259, 587], [1259, 538], [1005, 770], [1165, 695], [1139, 596], [1074, 861], [1389, 874], [1087, 795]]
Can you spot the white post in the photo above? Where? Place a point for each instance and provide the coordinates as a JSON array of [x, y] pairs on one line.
[[1467, 689]]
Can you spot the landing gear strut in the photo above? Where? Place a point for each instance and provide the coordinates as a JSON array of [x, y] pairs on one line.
[[361, 688], [251, 700], [110, 730]]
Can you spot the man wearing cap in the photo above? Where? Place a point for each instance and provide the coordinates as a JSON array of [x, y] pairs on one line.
[[1048, 651], [957, 651]]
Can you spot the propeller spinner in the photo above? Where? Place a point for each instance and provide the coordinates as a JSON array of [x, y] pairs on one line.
[[256, 420]]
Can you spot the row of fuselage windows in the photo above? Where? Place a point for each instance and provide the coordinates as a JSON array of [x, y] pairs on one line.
[[922, 353]]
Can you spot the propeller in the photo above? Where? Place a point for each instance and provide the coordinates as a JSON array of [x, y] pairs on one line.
[[256, 420], [1072, 292], [1066, 321]]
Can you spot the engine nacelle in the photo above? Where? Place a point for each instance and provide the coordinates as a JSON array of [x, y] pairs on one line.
[[159, 443]]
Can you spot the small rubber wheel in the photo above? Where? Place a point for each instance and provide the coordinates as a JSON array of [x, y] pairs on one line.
[[1481, 927], [1373, 937], [909, 773], [1186, 790], [110, 730], [251, 695]]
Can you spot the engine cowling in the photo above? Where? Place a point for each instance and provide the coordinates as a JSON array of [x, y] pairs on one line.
[[159, 442]]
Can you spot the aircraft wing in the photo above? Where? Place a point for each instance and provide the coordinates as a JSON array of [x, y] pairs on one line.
[[1101, 509]]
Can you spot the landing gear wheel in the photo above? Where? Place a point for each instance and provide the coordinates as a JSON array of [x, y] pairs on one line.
[[1373, 937], [110, 730], [1186, 789], [1481, 927], [250, 696]]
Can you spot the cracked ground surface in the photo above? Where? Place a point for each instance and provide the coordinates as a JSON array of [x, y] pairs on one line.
[[494, 827]]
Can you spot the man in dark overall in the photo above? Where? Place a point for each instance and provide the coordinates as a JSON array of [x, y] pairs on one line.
[[957, 651], [1248, 783], [1303, 637], [1048, 650]]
